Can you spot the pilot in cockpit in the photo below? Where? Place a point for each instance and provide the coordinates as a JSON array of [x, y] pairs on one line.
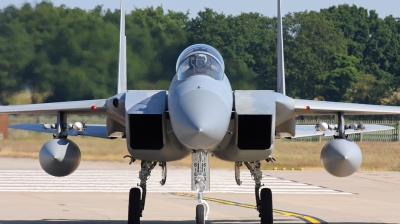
[[201, 60], [199, 64]]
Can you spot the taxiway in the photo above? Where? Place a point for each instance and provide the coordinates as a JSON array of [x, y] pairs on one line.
[[98, 193]]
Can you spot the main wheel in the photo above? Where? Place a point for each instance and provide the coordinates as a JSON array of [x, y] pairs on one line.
[[266, 206], [200, 214], [134, 208]]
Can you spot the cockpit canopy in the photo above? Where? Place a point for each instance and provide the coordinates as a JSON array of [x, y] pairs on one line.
[[200, 59]]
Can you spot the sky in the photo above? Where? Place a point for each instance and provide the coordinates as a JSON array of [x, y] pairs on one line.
[[234, 7]]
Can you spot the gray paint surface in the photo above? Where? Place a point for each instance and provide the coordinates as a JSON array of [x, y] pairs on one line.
[[309, 130], [59, 157], [254, 102], [200, 119], [145, 101], [93, 130], [325, 107], [250, 102], [122, 79], [341, 157], [200, 109], [281, 88], [71, 107]]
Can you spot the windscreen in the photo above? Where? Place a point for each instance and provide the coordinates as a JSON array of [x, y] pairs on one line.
[[200, 59]]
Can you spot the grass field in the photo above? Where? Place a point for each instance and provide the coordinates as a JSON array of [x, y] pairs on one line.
[[377, 156]]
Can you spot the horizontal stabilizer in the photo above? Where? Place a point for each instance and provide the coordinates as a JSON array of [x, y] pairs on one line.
[[309, 130], [93, 130]]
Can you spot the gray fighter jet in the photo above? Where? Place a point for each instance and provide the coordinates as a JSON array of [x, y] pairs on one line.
[[200, 116]]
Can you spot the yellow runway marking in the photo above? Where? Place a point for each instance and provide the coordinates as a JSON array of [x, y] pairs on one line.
[[306, 218]]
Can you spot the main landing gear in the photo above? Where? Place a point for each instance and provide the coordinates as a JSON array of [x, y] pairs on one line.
[[137, 196], [263, 197]]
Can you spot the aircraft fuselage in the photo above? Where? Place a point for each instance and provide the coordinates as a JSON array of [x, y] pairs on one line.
[[200, 108], [199, 112]]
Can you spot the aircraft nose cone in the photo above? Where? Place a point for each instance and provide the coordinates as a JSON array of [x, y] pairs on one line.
[[200, 119]]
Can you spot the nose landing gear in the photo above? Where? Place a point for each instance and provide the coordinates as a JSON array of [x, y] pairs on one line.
[[201, 183]]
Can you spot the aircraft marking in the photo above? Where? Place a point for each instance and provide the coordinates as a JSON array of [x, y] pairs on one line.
[[178, 180], [306, 218]]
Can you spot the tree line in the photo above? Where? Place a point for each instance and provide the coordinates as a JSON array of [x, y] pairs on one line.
[[342, 53]]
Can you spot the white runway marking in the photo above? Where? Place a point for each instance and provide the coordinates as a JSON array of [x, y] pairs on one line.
[[178, 180]]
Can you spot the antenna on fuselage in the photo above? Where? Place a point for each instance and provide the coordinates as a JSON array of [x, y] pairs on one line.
[[122, 52], [281, 88]]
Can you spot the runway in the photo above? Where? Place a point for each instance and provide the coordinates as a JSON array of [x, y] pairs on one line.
[[118, 181], [98, 193]]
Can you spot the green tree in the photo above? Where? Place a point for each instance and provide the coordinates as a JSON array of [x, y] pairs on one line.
[[88, 63], [155, 40], [15, 51], [72, 54], [367, 90], [313, 41], [246, 43], [253, 42], [375, 41], [336, 85]]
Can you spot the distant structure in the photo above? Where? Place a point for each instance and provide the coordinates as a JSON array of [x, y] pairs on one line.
[[4, 126]]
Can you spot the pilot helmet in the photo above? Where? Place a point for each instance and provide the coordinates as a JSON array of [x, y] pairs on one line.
[[201, 60]]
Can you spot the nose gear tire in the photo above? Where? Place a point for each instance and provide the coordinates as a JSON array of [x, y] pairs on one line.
[[200, 214]]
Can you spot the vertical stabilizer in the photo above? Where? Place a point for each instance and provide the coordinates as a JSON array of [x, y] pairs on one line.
[[281, 88], [122, 52]]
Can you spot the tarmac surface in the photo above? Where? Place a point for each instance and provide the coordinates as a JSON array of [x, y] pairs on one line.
[[98, 193]]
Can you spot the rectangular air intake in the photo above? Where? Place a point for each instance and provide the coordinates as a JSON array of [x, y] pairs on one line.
[[254, 132], [146, 131]]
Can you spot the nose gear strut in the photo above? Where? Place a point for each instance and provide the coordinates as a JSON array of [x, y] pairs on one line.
[[201, 183]]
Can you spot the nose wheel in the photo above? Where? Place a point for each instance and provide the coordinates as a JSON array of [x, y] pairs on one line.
[[200, 214]]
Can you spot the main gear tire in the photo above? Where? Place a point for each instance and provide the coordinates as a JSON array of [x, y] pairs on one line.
[[134, 207], [266, 209]]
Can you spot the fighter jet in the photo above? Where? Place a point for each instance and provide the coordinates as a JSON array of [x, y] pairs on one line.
[[200, 116]]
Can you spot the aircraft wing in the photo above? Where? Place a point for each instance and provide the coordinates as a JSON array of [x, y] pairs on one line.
[[309, 130], [92, 130], [70, 107], [312, 107]]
